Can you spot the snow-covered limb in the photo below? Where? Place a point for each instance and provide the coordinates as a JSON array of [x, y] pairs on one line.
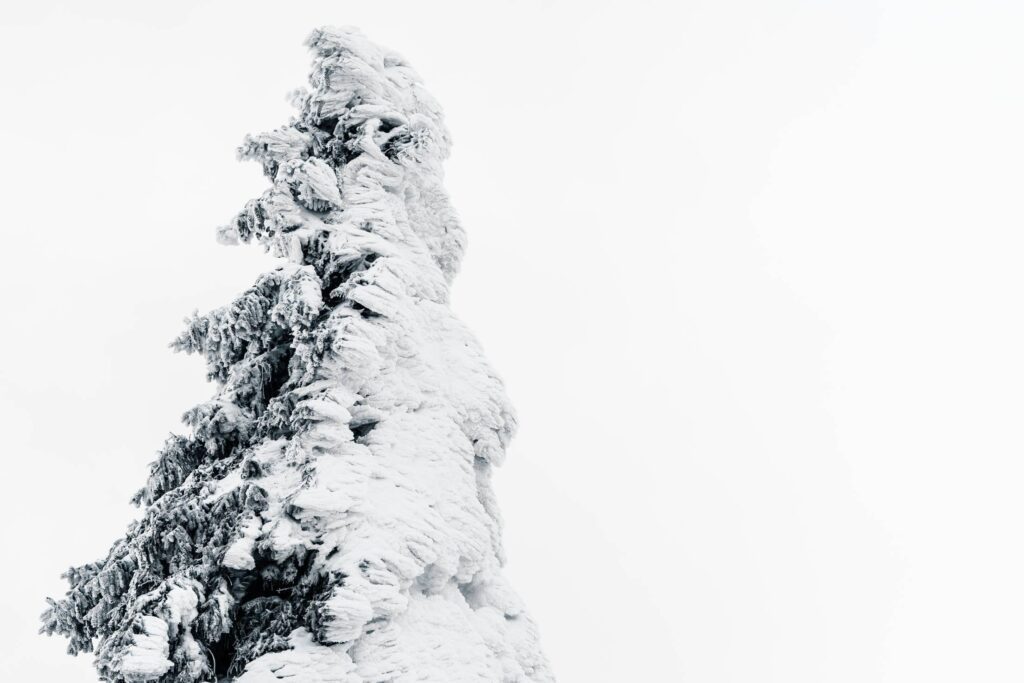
[[330, 516]]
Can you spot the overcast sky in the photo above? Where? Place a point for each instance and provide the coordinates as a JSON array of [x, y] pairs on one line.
[[751, 270]]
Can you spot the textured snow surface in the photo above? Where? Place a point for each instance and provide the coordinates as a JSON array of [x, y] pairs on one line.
[[304, 661], [331, 518], [147, 657]]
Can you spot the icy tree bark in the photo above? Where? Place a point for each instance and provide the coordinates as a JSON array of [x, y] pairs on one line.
[[330, 517]]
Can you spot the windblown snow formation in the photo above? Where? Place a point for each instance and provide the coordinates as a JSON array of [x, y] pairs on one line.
[[330, 518]]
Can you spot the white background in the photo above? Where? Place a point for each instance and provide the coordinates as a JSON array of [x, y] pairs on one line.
[[752, 271]]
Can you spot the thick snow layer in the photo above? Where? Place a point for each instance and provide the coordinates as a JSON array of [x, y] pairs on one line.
[[146, 659], [405, 513], [304, 662], [239, 553]]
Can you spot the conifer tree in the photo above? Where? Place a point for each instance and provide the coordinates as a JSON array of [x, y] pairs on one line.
[[329, 517]]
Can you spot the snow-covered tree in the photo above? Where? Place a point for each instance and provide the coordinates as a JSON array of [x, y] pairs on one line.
[[329, 517]]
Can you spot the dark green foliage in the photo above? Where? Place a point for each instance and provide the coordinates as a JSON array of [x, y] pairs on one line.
[[259, 349], [178, 458], [250, 349]]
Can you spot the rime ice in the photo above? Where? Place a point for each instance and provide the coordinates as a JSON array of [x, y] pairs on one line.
[[330, 515]]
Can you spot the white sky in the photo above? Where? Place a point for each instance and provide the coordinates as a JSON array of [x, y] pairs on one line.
[[752, 271]]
